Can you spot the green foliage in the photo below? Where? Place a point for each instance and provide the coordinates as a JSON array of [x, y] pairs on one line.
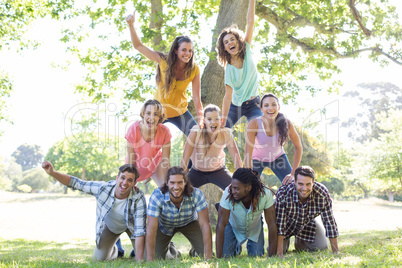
[[334, 186], [315, 153], [35, 178], [385, 155], [88, 156], [24, 188], [28, 156], [6, 87]]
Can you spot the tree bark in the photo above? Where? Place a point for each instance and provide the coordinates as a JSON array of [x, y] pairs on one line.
[[212, 81]]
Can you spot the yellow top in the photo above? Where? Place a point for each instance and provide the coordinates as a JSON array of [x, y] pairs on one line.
[[175, 103]]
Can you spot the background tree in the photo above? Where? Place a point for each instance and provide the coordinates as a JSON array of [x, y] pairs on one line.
[[386, 154], [28, 156], [372, 98]]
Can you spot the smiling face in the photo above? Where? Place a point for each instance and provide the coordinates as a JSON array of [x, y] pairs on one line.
[[176, 186], [231, 44], [124, 182], [184, 52], [212, 121], [240, 191], [151, 117], [304, 187], [270, 107]]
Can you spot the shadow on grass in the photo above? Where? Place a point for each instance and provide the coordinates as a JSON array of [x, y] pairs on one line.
[[367, 249]]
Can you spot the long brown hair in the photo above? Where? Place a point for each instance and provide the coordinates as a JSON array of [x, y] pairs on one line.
[[223, 56], [171, 59], [280, 121], [204, 132], [176, 170]]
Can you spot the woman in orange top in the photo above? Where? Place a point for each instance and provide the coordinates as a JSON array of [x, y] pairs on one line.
[[175, 72]]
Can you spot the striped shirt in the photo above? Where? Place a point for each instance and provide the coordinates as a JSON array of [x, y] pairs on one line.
[[295, 218], [134, 211], [160, 206]]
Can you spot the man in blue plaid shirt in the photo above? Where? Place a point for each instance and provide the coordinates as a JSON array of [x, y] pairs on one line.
[[119, 208], [177, 207], [297, 205]]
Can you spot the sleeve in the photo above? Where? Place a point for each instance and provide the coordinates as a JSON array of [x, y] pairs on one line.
[[228, 76], [196, 70], [155, 203], [224, 200], [269, 199], [200, 202], [280, 209], [140, 217], [131, 133], [89, 187], [328, 219]]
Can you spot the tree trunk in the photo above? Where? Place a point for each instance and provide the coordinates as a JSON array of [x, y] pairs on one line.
[[212, 82], [390, 196]]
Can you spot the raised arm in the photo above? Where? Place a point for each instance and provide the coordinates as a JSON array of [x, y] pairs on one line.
[[61, 177], [252, 130], [227, 100], [270, 219], [152, 228], [233, 150], [149, 53], [196, 88], [250, 21], [130, 154], [223, 219], [203, 220], [166, 158], [188, 150], [294, 137]]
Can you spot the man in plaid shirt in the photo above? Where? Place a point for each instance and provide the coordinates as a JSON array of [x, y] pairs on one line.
[[297, 205], [119, 208], [177, 207]]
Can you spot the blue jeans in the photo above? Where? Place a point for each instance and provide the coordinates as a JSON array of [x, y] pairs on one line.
[[280, 166], [231, 246], [183, 122], [251, 109]]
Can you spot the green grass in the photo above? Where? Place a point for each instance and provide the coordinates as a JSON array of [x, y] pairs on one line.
[[364, 249]]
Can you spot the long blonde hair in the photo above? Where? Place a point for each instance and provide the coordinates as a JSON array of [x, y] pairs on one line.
[[171, 59], [203, 130]]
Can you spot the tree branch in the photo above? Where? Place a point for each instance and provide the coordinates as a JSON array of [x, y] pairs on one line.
[[155, 23], [357, 16]]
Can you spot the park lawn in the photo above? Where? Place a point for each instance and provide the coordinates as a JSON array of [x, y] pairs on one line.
[[366, 249]]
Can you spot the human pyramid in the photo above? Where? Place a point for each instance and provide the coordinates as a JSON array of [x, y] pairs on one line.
[[177, 205]]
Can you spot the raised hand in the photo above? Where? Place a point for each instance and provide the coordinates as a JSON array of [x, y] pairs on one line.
[[130, 19]]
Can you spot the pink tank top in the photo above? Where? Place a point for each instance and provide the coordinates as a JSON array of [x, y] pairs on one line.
[[266, 148], [214, 159]]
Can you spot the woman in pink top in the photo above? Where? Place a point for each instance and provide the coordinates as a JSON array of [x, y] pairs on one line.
[[205, 147], [148, 143], [265, 138]]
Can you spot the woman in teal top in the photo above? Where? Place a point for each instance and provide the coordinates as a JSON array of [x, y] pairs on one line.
[[241, 76]]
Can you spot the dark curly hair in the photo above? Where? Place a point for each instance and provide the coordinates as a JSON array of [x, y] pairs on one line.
[[223, 56], [176, 170], [247, 176], [281, 121]]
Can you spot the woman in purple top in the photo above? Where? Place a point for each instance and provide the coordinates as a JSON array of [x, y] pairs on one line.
[[265, 138]]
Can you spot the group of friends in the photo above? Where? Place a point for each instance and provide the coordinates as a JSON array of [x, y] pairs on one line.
[[177, 205]]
